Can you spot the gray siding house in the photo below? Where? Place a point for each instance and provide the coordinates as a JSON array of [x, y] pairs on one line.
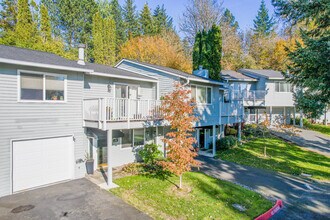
[[56, 112], [265, 93]]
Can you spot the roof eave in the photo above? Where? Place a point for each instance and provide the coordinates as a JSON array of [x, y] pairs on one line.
[[42, 65], [121, 77]]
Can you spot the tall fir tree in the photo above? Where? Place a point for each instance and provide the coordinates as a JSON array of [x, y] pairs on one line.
[[214, 52], [45, 27], [146, 21], [75, 22], [104, 39], [117, 14], [26, 32], [263, 23], [229, 19], [309, 67], [200, 51], [162, 20], [131, 19], [207, 51]]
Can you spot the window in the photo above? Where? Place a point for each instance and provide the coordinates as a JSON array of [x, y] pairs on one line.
[[138, 137], [31, 86], [121, 91], [150, 135], [55, 88], [42, 87], [123, 138], [202, 94], [282, 87], [209, 95]]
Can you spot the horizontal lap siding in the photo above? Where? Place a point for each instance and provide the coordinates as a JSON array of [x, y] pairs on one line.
[[34, 120], [166, 81], [97, 87], [209, 114]]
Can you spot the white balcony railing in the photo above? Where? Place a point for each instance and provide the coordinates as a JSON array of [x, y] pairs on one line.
[[117, 109]]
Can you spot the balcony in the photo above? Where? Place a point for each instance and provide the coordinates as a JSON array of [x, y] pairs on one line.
[[104, 110]]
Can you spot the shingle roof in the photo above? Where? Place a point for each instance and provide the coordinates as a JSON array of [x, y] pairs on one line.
[[28, 55], [174, 71], [35, 56], [116, 71], [270, 74], [235, 76]]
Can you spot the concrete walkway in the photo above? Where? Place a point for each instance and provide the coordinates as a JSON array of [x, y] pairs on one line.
[[303, 199], [77, 199], [311, 140]]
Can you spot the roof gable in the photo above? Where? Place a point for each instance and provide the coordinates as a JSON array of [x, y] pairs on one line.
[[171, 71]]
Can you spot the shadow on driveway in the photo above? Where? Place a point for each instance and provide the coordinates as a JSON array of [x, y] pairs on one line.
[[77, 199], [303, 199]]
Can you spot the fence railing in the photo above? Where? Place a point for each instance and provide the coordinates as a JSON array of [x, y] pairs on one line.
[[118, 109]]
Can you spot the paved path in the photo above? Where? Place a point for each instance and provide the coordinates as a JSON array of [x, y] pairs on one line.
[[312, 140], [301, 201], [77, 199]]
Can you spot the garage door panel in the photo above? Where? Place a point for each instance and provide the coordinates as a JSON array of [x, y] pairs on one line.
[[41, 162]]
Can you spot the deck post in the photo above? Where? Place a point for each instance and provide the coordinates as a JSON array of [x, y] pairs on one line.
[[294, 116], [213, 140], [271, 115], [109, 142], [301, 119]]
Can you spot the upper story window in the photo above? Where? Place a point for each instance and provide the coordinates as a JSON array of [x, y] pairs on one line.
[[202, 94], [282, 87], [36, 86]]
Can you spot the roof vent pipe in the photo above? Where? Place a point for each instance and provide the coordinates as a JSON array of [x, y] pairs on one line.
[[81, 54]]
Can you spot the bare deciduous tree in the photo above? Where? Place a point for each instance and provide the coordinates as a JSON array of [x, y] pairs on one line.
[[200, 15]]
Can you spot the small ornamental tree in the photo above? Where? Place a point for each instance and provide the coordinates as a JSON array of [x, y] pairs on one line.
[[178, 110]]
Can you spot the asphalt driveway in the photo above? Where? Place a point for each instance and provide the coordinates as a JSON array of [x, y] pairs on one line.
[[311, 140], [303, 199], [77, 199]]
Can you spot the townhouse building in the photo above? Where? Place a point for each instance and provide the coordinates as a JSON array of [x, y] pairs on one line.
[[265, 94], [54, 112]]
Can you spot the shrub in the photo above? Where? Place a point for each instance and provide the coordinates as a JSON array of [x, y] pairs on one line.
[[150, 153], [133, 168], [254, 130], [226, 143], [230, 131], [233, 132]]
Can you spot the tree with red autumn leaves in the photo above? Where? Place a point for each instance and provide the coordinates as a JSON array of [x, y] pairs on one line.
[[178, 109]]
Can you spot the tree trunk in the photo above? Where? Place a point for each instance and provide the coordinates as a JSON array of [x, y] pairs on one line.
[[180, 185]]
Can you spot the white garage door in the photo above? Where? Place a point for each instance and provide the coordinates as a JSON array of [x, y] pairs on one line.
[[42, 161]]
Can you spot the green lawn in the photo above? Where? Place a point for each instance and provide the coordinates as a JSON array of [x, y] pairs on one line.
[[203, 197], [281, 156], [324, 129]]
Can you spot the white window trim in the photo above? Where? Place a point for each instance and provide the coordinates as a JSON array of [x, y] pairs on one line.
[[206, 87], [279, 86], [44, 74], [127, 89]]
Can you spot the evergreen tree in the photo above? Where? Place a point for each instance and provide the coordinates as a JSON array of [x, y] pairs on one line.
[[229, 19], [54, 14], [8, 15], [146, 21], [207, 51], [45, 28], [263, 24], [214, 52], [310, 61], [26, 32], [161, 20], [200, 53], [104, 39], [131, 19], [117, 14]]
